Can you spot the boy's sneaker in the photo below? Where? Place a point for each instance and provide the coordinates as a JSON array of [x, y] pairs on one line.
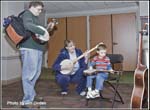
[[95, 94], [92, 94], [64, 93], [89, 95]]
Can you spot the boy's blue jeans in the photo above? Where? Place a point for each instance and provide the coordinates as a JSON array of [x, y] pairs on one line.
[[100, 78], [31, 69]]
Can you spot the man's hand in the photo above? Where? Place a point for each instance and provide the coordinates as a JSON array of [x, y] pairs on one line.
[[51, 25], [46, 35], [86, 55]]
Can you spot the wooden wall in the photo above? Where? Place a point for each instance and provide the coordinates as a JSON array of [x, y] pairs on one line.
[[74, 29], [100, 31], [56, 41], [124, 34], [117, 31]]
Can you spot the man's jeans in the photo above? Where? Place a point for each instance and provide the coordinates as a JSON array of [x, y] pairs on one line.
[[31, 69], [100, 78], [78, 78]]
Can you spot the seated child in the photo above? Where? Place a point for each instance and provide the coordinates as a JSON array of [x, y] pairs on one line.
[[101, 62]]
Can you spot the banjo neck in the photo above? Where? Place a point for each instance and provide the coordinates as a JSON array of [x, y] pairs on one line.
[[49, 24], [81, 56], [67, 62]]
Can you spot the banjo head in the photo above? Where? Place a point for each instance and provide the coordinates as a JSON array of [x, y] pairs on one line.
[[42, 38], [65, 63]]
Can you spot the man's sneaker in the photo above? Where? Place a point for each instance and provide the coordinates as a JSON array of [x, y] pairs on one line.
[[38, 99], [64, 93], [83, 93], [30, 106]]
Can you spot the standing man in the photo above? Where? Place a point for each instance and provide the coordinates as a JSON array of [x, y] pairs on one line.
[[31, 52]]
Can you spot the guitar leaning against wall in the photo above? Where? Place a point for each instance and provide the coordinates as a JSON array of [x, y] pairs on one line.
[[139, 96]]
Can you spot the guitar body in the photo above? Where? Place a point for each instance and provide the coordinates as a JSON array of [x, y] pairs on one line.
[[140, 91], [65, 63]]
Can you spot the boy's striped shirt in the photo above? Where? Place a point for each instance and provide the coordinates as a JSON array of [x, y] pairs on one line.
[[102, 64]]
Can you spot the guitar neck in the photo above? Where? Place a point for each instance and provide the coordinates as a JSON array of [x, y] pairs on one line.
[[140, 45], [108, 71], [140, 49], [91, 71]]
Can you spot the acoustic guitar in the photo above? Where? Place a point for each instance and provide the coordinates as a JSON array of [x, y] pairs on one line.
[[139, 96], [71, 63], [44, 39]]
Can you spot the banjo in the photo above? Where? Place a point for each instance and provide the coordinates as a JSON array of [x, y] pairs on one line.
[[70, 63], [44, 39]]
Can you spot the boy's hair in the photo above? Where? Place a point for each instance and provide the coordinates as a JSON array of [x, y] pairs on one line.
[[66, 42], [101, 47], [36, 3]]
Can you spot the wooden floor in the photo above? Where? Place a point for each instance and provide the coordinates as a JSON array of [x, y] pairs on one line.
[[12, 95]]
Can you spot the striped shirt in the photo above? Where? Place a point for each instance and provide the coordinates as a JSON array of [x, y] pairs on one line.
[[101, 63]]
